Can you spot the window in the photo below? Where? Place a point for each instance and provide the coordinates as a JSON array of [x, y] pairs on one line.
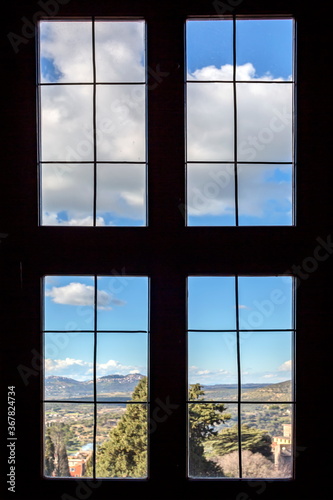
[[239, 122], [168, 251], [95, 374], [92, 81], [240, 371]]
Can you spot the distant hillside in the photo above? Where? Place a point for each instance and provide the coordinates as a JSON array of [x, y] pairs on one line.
[[250, 392], [68, 388]]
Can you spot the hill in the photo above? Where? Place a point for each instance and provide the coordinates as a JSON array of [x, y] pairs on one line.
[[110, 385]]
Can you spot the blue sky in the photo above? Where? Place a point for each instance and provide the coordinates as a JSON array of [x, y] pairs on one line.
[[264, 305]]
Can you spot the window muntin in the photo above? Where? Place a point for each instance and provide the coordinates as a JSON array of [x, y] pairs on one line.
[[92, 121], [95, 338], [241, 360], [239, 114]]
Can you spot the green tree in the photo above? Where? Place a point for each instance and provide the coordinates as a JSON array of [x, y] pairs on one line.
[[203, 418], [253, 439], [49, 456], [59, 434], [125, 452]]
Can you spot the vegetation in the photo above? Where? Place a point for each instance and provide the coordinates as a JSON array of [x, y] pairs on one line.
[[124, 454], [252, 439], [56, 459], [203, 417]]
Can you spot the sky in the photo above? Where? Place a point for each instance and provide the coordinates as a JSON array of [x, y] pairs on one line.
[[264, 134], [264, 123], [264, 317]]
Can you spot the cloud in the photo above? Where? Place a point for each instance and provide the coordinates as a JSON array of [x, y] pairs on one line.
[[79, 294], [286, 366], [263, 127], [83, 370]]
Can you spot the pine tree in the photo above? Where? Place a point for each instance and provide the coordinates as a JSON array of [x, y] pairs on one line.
[[125, 453], [253, 439], [59, 434], [49, 455], [203, 417]]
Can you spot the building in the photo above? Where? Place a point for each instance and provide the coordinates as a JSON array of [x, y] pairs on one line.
[[282, 447]]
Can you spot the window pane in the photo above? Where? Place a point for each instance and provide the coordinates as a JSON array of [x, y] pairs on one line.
[[210, 122], [68, 303], [65, 51], [264, 122], [122, 361], [211, 438], [267, 45], [124, 303], [121, 123], [211, 303], [68, 438], [265, 303], [212, 359], [124, 452], [68, 366], [267, 363], [210, 194], [267, 440], [265, 195], [120, 51], [66, 123], [213, 59], [67, 194], [121, 194]]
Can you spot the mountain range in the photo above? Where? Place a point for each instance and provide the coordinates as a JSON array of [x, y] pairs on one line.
[[67, 388]]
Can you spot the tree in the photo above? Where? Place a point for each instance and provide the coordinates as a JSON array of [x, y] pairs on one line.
[[253, 439], [125, 452], [254, 465], [59, 434], [49, 456], [203, 417]]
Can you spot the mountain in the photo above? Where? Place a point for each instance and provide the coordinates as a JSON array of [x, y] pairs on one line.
[[250, 392], [110, 385]]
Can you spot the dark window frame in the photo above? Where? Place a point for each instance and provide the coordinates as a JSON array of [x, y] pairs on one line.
[[166, 251]]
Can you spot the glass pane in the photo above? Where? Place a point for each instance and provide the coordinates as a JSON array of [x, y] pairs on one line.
[[266, 360], [264, 122], [267, 441], [210, 194], [266, 46], [265, 195], [121, 195], [66, 123], [123, 452], [68, 439], [67, 194], [209, 50], [265, 303], [211, 303], [124, 303], [210, 122], [120, 51], [120, 119], [68, 366], [212, 361], [68, 303], [65, 51], [122, 361], [207, 444]]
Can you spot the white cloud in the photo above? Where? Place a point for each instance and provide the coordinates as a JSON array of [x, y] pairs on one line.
[[83, 370], [286, 366], [263, 123], [79, 294]]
